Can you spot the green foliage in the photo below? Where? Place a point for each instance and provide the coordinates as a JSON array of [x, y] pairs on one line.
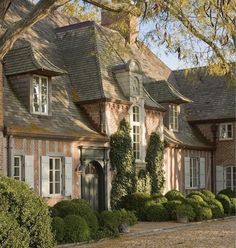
[[224, 199], [208, 194], [159, 198], [144, 182], [154, 159], [204, 213], [233, 205], [109, 222], [196, 197], [77, 207], [122, 160], [127, 217], [229, 192], [216, 208], [136, 202], [28, 209], [58, 227], [76, 229], [156, 212], [11, 234], [185, 210], [199, 194], [174, 195], [171, 208]]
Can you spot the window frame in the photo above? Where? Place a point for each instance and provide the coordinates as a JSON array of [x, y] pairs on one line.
[[40, 95], [232, 181], [53, 179], [174, 117], [226, 125], [197, 176], [20, 168], [136, 123]]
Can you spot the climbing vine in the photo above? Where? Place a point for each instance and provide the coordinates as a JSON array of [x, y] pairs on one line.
[[122, 161], [154, 159], [144, 182]]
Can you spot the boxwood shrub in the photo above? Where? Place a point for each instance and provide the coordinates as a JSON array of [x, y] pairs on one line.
[[28, 209], [159, 198], [156, 212], [11, 234], [224, 199], [229, 192], [208, 194], [199, 194], [58, 227], [216, 208], [198, 198], [203, 213], [174, 195], [185, 210], [76, 229], [171, 208], [233, 205]]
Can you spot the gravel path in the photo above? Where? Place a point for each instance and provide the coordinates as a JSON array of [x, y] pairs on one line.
[[218, 234]]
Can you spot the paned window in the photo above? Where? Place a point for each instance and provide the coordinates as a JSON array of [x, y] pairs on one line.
[[231, 178], [174, 117], [136, 132], [194, 172], [136, 87], [40, 95], [55, 176], [17, 168], [226, 131]]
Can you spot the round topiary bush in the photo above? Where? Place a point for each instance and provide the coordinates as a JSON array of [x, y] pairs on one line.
[[229, 192], [216, 208], [11, 234], [58, 227], [198, 198], [204, 213], [159, 198], [174, 195], [185, 210], [126, 217], [224, 199], [199, 194], [28, 209], [233, 205], [208, 194], [77, 207], [171, 208], [136, 202], [76, 229], [156, 212], [109, 220]]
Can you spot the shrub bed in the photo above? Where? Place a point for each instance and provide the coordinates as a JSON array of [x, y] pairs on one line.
[[171, 208], [185, 210], [159, 198], [208, 194], [156, 212], [174, 195], [58, 227], [199, 194], [229, 192], [216, 208], [224, 199]]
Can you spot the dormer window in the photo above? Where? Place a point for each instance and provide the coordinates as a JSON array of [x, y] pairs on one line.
[[136, 87], [174, 117], [40, 95], [226, 131]]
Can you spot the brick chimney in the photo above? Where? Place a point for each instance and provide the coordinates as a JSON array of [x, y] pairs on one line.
[[126, 24]]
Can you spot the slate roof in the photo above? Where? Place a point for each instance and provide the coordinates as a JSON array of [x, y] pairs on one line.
[[163, 92], [67, 120], [26, 59], [213, 96]]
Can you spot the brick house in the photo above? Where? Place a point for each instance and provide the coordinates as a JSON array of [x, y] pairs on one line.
[[66, 86]]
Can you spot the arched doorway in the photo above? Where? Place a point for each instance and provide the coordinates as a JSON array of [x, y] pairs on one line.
[[93, 185]]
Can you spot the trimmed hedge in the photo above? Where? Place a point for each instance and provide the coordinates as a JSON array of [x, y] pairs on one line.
[[204, 213], [76, 229], [159, 198], [229, 192], [11, 234], [58, 227], [174, 195], [185, 210], [156, 212], [28, 209], [199, 194], [208, 194], [198, 198], [216, 208], [233, 205], [171, 208], [224, 199]]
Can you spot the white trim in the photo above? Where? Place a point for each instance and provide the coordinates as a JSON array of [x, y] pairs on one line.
[[20, 168], [226, 125], [53, 179], [174, 111]]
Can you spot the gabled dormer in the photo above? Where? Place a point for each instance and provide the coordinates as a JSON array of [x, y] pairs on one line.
[[30, 73]]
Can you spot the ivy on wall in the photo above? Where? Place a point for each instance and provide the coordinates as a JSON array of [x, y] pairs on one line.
[[154, 159], [144, 182], [122, 161]]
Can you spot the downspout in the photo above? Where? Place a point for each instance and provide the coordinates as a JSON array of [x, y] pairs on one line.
[[213, 179]]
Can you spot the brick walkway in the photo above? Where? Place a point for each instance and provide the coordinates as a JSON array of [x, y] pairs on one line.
[[215, 234]]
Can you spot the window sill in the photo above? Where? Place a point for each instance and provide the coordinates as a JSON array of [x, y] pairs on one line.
[[227, 139]]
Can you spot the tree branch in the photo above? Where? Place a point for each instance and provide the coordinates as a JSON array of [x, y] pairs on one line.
[[41, 10]]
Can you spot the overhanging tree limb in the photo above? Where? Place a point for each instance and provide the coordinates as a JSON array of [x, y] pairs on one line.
[[40, 11]]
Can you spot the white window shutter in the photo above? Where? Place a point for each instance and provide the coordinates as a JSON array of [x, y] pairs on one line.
[[202, 173], [29, 170], [219, 178], [45, 176], [68, 176], [187, 172]]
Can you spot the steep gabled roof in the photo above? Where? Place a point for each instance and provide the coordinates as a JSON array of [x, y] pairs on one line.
[[26, 59], [213, 96], [163, 92]]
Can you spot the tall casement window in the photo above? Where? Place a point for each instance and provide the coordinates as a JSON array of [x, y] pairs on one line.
[[136, 132], [55, 176], [174, 117], [40, 95], [194, 172], [17, 168], [226, 131], [231, 177]]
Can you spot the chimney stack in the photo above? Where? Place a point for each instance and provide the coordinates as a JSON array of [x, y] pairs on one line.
[[125, 24]]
